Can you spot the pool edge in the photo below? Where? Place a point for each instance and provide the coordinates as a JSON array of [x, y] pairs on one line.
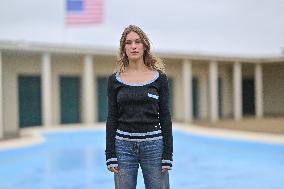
[[32, 136]]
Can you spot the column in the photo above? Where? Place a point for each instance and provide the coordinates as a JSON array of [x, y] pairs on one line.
[[46, 90], [187, 86], [213, 91], [237, 90], [1, 99], [88, 90], [258, 90], [203, 95]]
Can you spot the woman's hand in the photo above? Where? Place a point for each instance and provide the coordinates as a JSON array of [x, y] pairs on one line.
[[164, 170], [113, 169]]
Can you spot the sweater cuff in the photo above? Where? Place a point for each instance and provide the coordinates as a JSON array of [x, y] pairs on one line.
[[167, 164], [111, 162], [167, 156]]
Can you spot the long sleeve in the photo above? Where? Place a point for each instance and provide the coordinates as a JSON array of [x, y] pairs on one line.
[[166, 122], [111, 124]]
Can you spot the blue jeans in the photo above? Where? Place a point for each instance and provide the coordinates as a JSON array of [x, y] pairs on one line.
[[147, 154]]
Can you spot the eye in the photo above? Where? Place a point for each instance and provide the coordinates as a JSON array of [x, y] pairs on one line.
[[128, 42], [137, 41]]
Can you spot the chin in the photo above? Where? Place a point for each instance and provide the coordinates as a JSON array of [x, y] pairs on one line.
[[135, 58]]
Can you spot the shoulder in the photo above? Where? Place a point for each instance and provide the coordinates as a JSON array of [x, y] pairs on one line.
[[163, 76], [111, 77], [112, 80]]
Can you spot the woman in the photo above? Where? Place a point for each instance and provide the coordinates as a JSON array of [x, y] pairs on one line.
[[139, 126]]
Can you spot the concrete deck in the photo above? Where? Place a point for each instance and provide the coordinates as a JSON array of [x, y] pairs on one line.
[[273, 125], [31, 136]]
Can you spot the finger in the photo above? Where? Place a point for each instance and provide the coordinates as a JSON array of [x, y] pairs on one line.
[[114, 169], [111, 169], [164, 170]]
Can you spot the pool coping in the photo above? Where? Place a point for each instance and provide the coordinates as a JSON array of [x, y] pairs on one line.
[[231, 134], [32, 136]]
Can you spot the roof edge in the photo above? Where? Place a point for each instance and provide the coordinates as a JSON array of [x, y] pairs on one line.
[[93, 50]]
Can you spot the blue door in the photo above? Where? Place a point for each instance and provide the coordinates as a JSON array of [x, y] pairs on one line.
[[102, 98], [220, 97], [195, 97], [171, 94], [248, 97], [29, 94], [70, 101]]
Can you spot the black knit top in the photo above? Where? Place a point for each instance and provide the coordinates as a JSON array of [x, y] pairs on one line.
[[138, 112]]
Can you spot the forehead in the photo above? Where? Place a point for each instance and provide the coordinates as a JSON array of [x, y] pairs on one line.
[[132, 36]]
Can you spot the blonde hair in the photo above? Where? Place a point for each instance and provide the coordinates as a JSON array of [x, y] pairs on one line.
[[150, 60]]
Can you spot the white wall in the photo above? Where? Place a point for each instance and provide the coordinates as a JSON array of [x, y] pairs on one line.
[[21, 63], [103, 67], [225, 72], [63, 65], [173, 70], [200, 70], [273, 87], [15, 64]]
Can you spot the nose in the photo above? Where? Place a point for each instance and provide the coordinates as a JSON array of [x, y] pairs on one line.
[[133, 45]]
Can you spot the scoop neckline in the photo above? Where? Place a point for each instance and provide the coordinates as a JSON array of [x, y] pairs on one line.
[[137, 84]]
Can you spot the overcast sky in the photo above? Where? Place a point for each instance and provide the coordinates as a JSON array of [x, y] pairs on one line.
[[233, 27]]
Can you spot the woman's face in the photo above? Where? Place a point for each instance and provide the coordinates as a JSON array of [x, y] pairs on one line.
[[134, 47]]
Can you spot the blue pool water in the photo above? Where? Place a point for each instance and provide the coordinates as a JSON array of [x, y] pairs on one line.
[[76, 160]]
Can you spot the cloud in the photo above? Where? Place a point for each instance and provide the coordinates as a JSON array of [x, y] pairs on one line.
[[235, 26]]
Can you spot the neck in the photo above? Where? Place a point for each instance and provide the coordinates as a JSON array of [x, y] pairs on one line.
[[137, 66]]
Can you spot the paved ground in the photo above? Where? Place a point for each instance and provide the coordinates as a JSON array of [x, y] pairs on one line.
[[267, 125], [267, 130]]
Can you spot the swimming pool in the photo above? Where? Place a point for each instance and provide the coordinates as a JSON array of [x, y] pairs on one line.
[[75, 159]]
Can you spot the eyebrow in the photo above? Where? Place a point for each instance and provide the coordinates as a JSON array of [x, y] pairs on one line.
[[133, 39]]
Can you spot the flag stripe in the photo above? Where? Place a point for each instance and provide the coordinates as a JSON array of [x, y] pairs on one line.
[[82, 12]]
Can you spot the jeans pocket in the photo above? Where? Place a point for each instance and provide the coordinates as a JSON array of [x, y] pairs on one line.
[[120, 145], [153, 149]]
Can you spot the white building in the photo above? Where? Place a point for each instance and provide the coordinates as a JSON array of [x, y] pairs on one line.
[[46, 85]]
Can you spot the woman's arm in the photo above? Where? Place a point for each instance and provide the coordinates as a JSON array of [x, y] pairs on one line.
[[166, 123], [111, 125]]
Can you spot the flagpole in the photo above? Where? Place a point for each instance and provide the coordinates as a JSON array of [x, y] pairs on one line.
[[63, 31]]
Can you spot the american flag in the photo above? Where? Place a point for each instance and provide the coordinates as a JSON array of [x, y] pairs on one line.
[[84, 12]]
